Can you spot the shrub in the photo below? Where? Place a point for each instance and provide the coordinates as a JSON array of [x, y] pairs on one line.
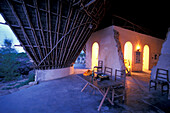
[[30, 79], [12, 64]]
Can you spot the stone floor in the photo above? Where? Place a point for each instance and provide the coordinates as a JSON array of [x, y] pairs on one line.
[[64, 96]]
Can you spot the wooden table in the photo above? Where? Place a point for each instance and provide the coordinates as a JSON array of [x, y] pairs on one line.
[[100, 86]]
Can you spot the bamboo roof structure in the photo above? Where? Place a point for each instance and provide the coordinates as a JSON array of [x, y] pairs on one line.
[[53, 32]]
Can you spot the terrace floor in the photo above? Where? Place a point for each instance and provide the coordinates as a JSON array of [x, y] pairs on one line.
[[63, 96]]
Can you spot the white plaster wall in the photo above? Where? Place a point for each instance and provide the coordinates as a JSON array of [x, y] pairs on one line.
[[164, 59], [108, 51], [107, 48], [44, 75], [166, 45], [135, 38]]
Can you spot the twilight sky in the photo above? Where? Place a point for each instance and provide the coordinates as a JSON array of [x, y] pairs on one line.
[[6, 32]]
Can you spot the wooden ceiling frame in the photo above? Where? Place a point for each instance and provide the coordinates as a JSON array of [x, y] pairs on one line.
[[53, 32], [23, 30], [75, 37], [33, 32], [73, 25], [65, 31], [41, 29]]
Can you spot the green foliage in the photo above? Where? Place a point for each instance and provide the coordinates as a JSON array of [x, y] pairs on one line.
[[11, 84], [8, 66], [82, 54], [20, 84], [7, 43], [7, 47], [10, 61], [30, 79], [7, 88]]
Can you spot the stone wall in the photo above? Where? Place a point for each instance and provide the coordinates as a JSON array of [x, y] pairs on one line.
[[120, 54]]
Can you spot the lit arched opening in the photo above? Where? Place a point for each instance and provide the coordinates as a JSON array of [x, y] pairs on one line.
[[128, 55], [146, 57], [95, 52]]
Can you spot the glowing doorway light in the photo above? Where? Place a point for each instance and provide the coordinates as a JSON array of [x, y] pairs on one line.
[[95, 52], [138, 47], [146, 57], [128, 55]]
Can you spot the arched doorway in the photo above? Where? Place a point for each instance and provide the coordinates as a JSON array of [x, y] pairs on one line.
[[146, 58], [95, 53], [128, 55]]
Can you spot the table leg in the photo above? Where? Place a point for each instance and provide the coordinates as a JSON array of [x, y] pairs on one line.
[[169, 93], [104, 97], [113, 93], [124, 93], [84, 87], [102, 92]]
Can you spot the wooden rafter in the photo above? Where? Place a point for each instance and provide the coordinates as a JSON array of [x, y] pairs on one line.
[[33, 31], [56, 35], [49, 28], [78, 46], [71, 46], [53, 32], [66, 29], [58, 29], [73, 25], [59, 42], [22, 28], [41, 28], [7, 23], [76, 42]]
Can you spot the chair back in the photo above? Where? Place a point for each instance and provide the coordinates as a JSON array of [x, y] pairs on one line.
[[119, 75], [100, 63], [100, 66], [162, 75], [108, 71]]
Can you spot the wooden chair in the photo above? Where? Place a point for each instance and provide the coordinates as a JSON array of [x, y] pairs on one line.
[[162, 78], [99, 67], [119, 90], [108, 71], [119, 74]]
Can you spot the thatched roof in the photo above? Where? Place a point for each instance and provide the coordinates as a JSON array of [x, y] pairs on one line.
[[53, 32]]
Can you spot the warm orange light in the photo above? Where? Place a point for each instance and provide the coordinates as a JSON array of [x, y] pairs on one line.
[[146, 57], [128, 55], [95, 52], [138, 47]]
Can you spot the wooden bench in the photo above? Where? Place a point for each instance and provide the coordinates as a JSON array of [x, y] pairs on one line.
[[162, 78]]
